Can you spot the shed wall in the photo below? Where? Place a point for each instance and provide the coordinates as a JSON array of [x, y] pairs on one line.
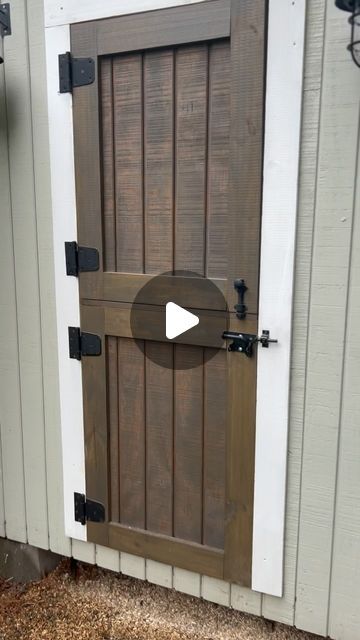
[[322, 546]]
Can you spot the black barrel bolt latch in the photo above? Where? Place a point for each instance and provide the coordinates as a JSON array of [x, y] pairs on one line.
[[244, 342]]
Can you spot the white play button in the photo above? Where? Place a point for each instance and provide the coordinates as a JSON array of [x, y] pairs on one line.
[[178, 320]]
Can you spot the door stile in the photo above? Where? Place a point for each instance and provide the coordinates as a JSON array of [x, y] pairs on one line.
[[94, 374], [87, 157], [246, 148]]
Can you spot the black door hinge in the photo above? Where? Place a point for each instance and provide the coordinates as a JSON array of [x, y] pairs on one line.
[[75, 72], [80, 259], [86, 510], [5, 22], [83, 344]]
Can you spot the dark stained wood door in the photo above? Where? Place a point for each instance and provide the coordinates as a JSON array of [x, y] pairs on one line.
[[168, 159]]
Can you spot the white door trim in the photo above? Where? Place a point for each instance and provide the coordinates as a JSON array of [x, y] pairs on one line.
[[286, 30], [281, 164]]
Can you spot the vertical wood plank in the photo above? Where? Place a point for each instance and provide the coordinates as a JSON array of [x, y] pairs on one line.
[[158, 159], [131, 390], [113, 417], [96, 433], [190, 149], [159, 438], [128, 134], [188, 443], [246, 146], [215, 412], [26, 253], [240, 450], [328, 301], [218, 161], [107, 153]]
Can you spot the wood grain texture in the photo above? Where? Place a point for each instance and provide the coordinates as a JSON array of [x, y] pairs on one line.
[[218, 160], [247, 73], [131, 393], [214, 473], [128, 140], [158, 160], [246, 146], [159, 437], [96, 435], [188, 443], [190, 149], [112, 366], [164, 28], [168, 550], [108, 168]]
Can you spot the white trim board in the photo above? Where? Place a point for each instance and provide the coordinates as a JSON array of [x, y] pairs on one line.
[[57, 40], [282, 135], [286, 31]]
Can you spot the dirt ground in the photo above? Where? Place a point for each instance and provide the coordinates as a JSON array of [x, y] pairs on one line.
[[83, 602]]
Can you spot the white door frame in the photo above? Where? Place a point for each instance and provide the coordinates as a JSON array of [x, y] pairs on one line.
[[280, 186]]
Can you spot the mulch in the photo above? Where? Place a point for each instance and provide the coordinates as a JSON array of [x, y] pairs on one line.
[[83, 602]]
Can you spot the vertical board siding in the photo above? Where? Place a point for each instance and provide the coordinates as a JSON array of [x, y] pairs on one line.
[[344, 617], [322, 564], [328, 316], [13, 500], [57, 540], [26, 265]]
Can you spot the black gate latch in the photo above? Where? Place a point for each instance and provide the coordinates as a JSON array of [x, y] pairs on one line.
[[244, 342], [86, 510]]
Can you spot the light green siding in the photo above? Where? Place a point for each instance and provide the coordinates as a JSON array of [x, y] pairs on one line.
[[322, 550]]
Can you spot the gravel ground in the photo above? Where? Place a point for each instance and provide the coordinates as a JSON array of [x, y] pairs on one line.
[[84, 602]]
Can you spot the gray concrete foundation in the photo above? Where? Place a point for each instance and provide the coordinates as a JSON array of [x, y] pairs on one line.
[[24, 563]]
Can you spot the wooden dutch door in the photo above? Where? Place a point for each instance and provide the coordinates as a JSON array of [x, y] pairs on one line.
[[168, 157]]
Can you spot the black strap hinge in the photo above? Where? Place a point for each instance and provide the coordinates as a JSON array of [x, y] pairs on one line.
[[5, 21], [86, 510], [75, 72], [80, 259], [83, 344]]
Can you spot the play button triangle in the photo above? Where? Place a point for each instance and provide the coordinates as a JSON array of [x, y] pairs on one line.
[[178, 320]]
